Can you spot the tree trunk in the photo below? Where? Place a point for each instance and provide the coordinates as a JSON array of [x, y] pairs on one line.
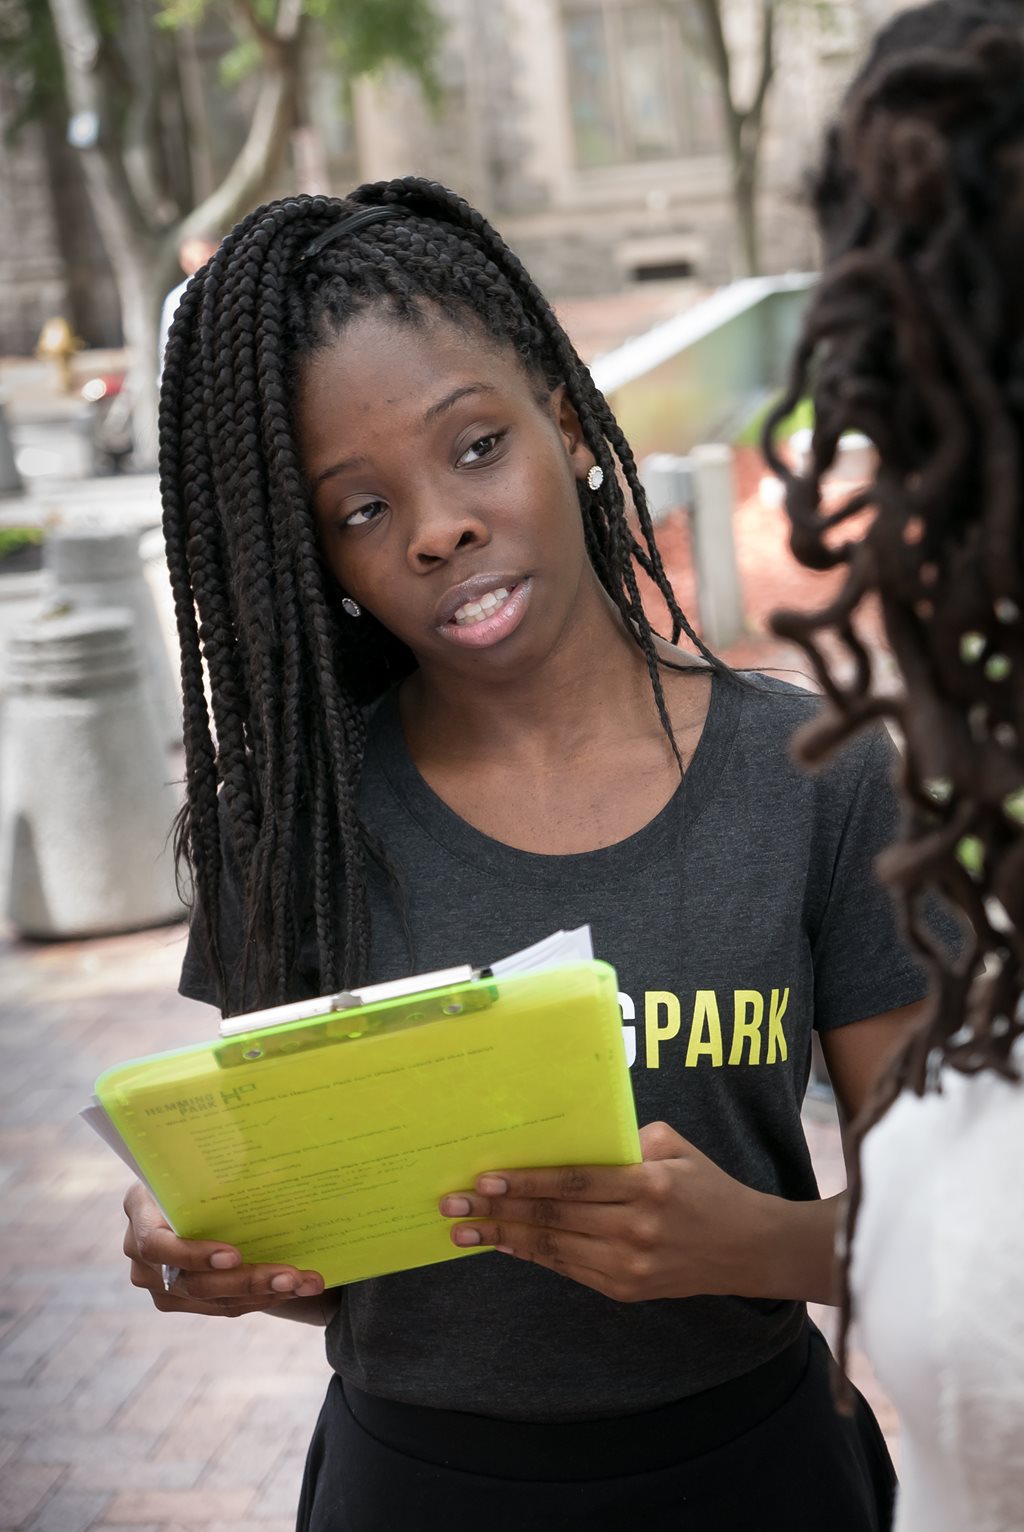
[[145, 268], [195, 117], [743, 126], [748, 241], [141, 253], [143, 284], [135, 251], [258, 157]]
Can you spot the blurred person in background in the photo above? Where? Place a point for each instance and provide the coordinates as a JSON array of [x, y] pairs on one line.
[[193, 252], [916, 338]]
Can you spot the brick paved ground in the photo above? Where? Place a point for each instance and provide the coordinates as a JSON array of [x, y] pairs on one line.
[[113, 1416]]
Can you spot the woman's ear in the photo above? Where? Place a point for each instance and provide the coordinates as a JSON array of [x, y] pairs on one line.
[[571, 432]]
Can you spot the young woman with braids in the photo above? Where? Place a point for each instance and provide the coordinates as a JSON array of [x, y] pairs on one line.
[[441, 727], [916, 337]]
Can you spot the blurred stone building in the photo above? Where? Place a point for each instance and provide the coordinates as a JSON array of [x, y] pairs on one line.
[[584, 128], [596, 139]]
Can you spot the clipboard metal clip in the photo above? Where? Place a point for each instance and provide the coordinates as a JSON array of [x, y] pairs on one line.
[[343, 1024], [346, 1000]]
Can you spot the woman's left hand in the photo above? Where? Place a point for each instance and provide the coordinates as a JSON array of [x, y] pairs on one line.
[[672, 1227]]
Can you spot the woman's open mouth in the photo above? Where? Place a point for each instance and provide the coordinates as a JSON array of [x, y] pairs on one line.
[[489, 618]]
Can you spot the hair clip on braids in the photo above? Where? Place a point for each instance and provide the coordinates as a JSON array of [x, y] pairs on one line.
[[348, 225]]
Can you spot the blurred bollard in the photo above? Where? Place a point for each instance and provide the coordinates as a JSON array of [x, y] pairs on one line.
[[10, 478], [86, 806], [703, 485], [855, 461], [22, 596], [153, 553], [668, 484], [719, 593], [100, 567]]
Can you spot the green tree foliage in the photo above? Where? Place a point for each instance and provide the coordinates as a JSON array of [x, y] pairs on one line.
[[360, 37], [30, 59], [114, 67]]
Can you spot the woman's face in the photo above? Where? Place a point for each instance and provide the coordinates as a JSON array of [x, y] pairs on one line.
[[444, 489]]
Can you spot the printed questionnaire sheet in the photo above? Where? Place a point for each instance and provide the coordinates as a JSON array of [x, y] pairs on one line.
[[334, 1157]]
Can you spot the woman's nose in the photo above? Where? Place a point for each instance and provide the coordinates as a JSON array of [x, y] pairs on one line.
[[441, 530]]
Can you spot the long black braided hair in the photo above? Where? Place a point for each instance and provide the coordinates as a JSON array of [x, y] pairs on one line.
[[275, 756], [916, 337]]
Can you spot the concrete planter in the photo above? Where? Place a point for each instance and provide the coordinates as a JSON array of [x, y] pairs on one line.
[[86, 804], [92, 567], [22, 594]]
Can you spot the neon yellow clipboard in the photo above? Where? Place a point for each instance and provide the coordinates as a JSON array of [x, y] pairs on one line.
[[326, 1143]]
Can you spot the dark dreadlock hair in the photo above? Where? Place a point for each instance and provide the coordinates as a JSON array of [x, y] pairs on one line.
[[257, 610], [916, 338]]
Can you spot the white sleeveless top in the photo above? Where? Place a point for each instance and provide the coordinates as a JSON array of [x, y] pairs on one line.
[[938, 1278]]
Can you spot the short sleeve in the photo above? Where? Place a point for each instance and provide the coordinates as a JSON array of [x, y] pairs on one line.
[[863, 965]]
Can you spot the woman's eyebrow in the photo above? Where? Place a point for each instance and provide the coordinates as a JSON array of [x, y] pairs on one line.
[[453, 398], [431, 414], [336, 468]]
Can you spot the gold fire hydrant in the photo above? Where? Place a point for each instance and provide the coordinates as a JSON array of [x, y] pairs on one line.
[[58, 343]]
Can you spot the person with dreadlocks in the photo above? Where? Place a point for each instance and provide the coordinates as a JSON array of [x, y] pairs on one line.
[[442, 725], [916, 337]]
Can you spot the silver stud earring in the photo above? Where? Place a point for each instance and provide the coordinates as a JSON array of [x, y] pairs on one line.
[[351, 607], [595, 478]]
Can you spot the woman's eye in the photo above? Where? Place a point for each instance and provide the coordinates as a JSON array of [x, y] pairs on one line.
[[482, 447], [365, 513]]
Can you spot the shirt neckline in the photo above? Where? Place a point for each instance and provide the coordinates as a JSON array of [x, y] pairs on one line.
[[457, 838]]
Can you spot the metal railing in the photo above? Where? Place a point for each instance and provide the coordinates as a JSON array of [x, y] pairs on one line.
[[702, 375], [681, 393]]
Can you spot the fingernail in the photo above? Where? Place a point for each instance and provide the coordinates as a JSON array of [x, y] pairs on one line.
[[222, 1260], [505, 1249], [466, 1236], [456, 1207], [282, 1283], [492, 1186], [307, 1289]]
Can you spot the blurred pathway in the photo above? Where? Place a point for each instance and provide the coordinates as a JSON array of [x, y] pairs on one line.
[[111, 1414]]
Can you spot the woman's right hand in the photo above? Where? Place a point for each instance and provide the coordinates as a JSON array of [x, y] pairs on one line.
[[212, 1278]]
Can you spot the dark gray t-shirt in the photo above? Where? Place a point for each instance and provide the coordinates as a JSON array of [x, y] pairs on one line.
[[741, 917]]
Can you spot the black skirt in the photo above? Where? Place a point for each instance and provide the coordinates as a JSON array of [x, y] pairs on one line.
[[767, 1451]]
